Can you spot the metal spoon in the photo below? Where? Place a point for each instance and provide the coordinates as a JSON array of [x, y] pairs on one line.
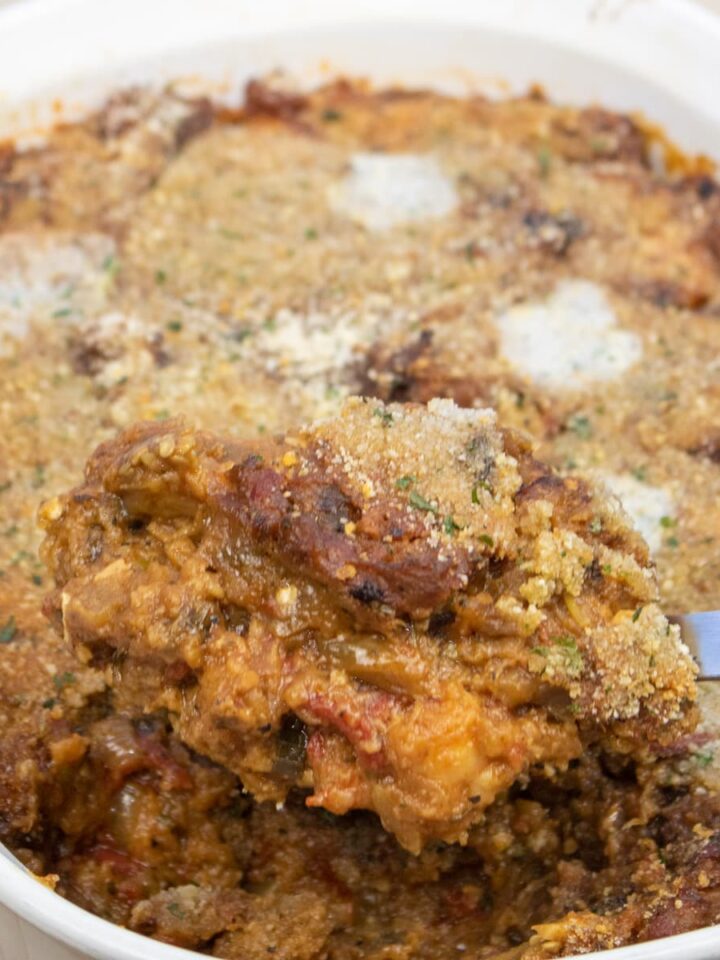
[[701, 633]]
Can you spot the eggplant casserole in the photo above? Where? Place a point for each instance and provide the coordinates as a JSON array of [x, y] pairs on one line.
[[395, 684]]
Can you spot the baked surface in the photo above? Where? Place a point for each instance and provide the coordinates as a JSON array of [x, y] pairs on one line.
[[237, 268]]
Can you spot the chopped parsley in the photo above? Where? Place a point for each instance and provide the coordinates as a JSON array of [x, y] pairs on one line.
[[175, 326], [544, 159], [49, 703], [5, 486], [581, 426], [405, 482], [636, 615], [111, 265], [62, 312], [600, 145], [450, 527], [567, 650], [640, 473], [667, 522], [38, 479], [595, 525], [63, 680], [160, 277], [176, 910], [8, 631], [311, 233], [673, 542], [418, 501], [384, 415], [330, 115], [37, 579], [480, 485], [705, 758], [486, 539]]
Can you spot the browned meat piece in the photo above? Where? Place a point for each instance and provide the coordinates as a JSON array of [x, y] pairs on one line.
[[398, 609], [287, 927]]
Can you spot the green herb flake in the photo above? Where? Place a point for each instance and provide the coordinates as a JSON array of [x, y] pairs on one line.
[[606, 568], [161, 415], [450, 527], [673, 542], [418, 501], [405, 482], [176, 910], [581, 426], [49, 703], [175, 326], [705, 758], [486, 539], [8, 631], [544, 159], [38, 479], [640, 473], [636, 615], [37, 579], [572, 656], [384, 415], [5, 486], [667, 522], [311, 233], [600, 145], [111, 265], [62, 312], [160, 277], [595, 525], [63, 680], [480, 485], [330, 115]]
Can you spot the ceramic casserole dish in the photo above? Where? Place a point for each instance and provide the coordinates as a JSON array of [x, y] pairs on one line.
[[62, 57]]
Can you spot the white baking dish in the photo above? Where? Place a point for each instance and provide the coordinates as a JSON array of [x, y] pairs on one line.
[[658, 56]]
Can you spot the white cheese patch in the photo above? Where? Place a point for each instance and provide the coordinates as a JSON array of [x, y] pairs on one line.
[[570, 340], [383, 190], [49, 277], [308, 346], [645, 504]]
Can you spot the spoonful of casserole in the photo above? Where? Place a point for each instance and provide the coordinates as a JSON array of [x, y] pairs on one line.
[[398, 609]]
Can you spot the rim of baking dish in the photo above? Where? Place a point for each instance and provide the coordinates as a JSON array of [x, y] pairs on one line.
[[78, 928], [175, 26]]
